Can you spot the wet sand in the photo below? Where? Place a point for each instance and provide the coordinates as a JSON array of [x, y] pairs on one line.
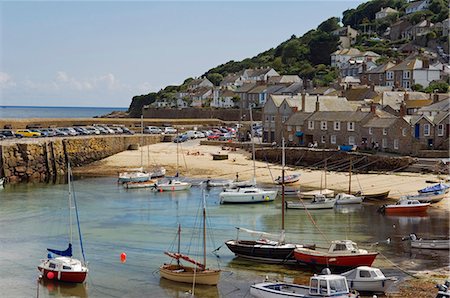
[[195, 161]]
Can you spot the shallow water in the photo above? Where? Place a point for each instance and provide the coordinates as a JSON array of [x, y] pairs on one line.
[[143, 224]]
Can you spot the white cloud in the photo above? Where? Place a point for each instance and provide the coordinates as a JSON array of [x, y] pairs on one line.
[[6, 81]]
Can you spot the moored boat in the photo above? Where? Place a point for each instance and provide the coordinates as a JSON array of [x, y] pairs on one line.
[[247, 195], [428, 197], [343, 199], [144, 184], [319, 286], [436, 187], [319, 202], [342, 253], [173, 185], [368, 279], [373, 195], [135, 176], [436, 243], [311, 194], [405, 206], [218, 182], [288, 179]]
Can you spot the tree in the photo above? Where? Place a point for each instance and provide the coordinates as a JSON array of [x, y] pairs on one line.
[[417, 87], [321, 46], [329, 25], [215, 78], [293, 51], [440, 87]]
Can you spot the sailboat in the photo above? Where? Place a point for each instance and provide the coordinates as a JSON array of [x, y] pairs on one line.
[[150, 183], [136, 175], [64, 267], [198, 274], [348, 198], [264, 249], [174, 184], [321, 192], [244, 195]]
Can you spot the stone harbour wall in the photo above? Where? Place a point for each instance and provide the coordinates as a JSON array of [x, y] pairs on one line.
[[44, 160]]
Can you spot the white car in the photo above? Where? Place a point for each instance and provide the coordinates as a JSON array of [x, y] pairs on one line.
[[170, 130], [152, 129]]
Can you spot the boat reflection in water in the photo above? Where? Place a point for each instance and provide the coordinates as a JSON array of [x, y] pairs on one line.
[[175, 289], [62, 289], [408, 220], [345, 209]]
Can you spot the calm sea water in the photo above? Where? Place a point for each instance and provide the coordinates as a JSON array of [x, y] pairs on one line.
[[143, 224], [54, 112]]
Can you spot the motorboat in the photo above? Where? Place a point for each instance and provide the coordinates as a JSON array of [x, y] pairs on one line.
[[436, 243], [218, 182], [319, 202], [429, 197], [436, 187], [405, 206], [368, 279], [319, 286], [145, 184], [311, 194], [341, 253], [134, 176], [173, 185], [288, 179], [343, 199], [247, 195]]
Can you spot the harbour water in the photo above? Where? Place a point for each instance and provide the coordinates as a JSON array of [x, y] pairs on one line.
[[54, 112], [143, 224]]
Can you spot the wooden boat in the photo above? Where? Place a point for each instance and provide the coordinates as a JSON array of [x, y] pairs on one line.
[[343, 199], [373, 196], [146, 184], [436, 243], [289, 179], [64, 267], [247, 195], [319, 202], [311, 194], [319, 286], [429, 197], [405, 206], [368, 279], [342, 253], [173, 185], [198, 274]]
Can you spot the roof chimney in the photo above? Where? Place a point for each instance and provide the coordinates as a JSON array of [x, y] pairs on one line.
[[373, 108], [426, 63], [402, 109], [303, 101], [317, 104]]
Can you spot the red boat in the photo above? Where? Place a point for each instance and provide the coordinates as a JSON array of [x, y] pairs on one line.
[[64, 269], [342, 253], [406, 207]]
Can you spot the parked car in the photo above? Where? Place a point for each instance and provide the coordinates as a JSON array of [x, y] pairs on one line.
[[60, 133], [28, 133], [213, 136], [93, 130], [41, 131], [181, 138], [170, 130], [69, 131], [225, 137], [117, 130], [10, 134], [152, 130], [127, 131], [81, 130]]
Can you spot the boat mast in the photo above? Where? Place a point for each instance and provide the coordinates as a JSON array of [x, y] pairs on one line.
[[179, 242], [282, 186], [142, 140], [350, 178], [176, 174], [70, 202], [253, 144], [204, 230], [325, 174]]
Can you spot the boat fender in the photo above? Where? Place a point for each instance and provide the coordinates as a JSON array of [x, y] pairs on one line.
[[267, 198]]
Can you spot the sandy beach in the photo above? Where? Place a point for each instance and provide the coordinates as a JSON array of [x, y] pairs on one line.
[[195, 161]]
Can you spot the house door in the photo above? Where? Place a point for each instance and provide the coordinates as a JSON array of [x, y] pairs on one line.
[[430, 143], [417, 131]]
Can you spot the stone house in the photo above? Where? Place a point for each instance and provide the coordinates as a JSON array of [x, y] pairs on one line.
[[294, 129], [242, 92], [417, 6], [347, 36], [423, 131], [411, 71], [257, 96], [355, 68], [396, 30], [384, 12], [376, 76], [418, 30], [201, 96], [330, 129], [341, 56]]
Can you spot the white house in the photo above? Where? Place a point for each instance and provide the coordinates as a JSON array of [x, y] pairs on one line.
[[417, 6], [341, 56]]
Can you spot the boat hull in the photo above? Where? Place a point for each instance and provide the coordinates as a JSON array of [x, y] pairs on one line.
[[311, 194], [428, 197], [343, 261], [289, 179], [375, 196], [349, 200], [174, 187], [236, 197], [394, 209], [310, 206], [145, 184], [65, 276], [272, 254], [187, 274], [132, 178], [373, 286], [279, 290], [443, 244]]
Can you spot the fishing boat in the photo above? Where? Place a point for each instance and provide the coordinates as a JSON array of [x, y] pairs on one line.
[[64, 267], [173, 185], [246, 195], [198, 274], [368, 279], [405, 206], [266, 249], [343, 199], [319, 202], [428, 197], [341, 254], [435, 243], [319, 286], [145, 184], [289, 179]]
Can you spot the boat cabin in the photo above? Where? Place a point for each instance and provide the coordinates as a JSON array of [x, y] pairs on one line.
[[342, 246], [365, 273], [329, 285], [408, 202]]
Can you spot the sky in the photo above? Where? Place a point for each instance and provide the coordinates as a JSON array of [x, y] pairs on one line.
[[102, 53]]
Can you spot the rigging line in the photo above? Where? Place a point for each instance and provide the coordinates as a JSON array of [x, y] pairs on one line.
[[312, 220], [76, 214]]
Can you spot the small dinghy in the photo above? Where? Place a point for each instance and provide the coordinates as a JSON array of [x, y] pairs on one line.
[[319, 202], [428, 197], [368, 279], [311, 194], [344, 199], [288, 179], [436, 243]]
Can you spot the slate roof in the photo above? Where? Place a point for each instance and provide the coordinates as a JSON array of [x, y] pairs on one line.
[[442, 105], [257, 72], [297, 118], [439, 117], [246, 87], [359, 93], [381, 122], [382, 68], [284, 79], [293, 88], [258, 89], [408, 64], [415, 4]]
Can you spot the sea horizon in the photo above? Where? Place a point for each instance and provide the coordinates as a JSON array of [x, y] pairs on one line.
[[24, 112]]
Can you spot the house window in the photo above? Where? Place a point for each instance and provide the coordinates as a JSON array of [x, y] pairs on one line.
[[441, 130], [272, 118], [426, 129], [267, 118], [337, 125], [389, 75], [395, 143], [351, 126], [323, 125], [289, 128], [322, 139], [406, 74], [404, 132], [406, 84], [310, 124], [389, 84], [384, 143], [351, 140], [384, 131], [284, 118], [370, 131], [333, 139]]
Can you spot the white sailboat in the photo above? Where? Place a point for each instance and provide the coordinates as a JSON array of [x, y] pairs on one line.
[[348, 198], [322, 191], [243, 195]]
